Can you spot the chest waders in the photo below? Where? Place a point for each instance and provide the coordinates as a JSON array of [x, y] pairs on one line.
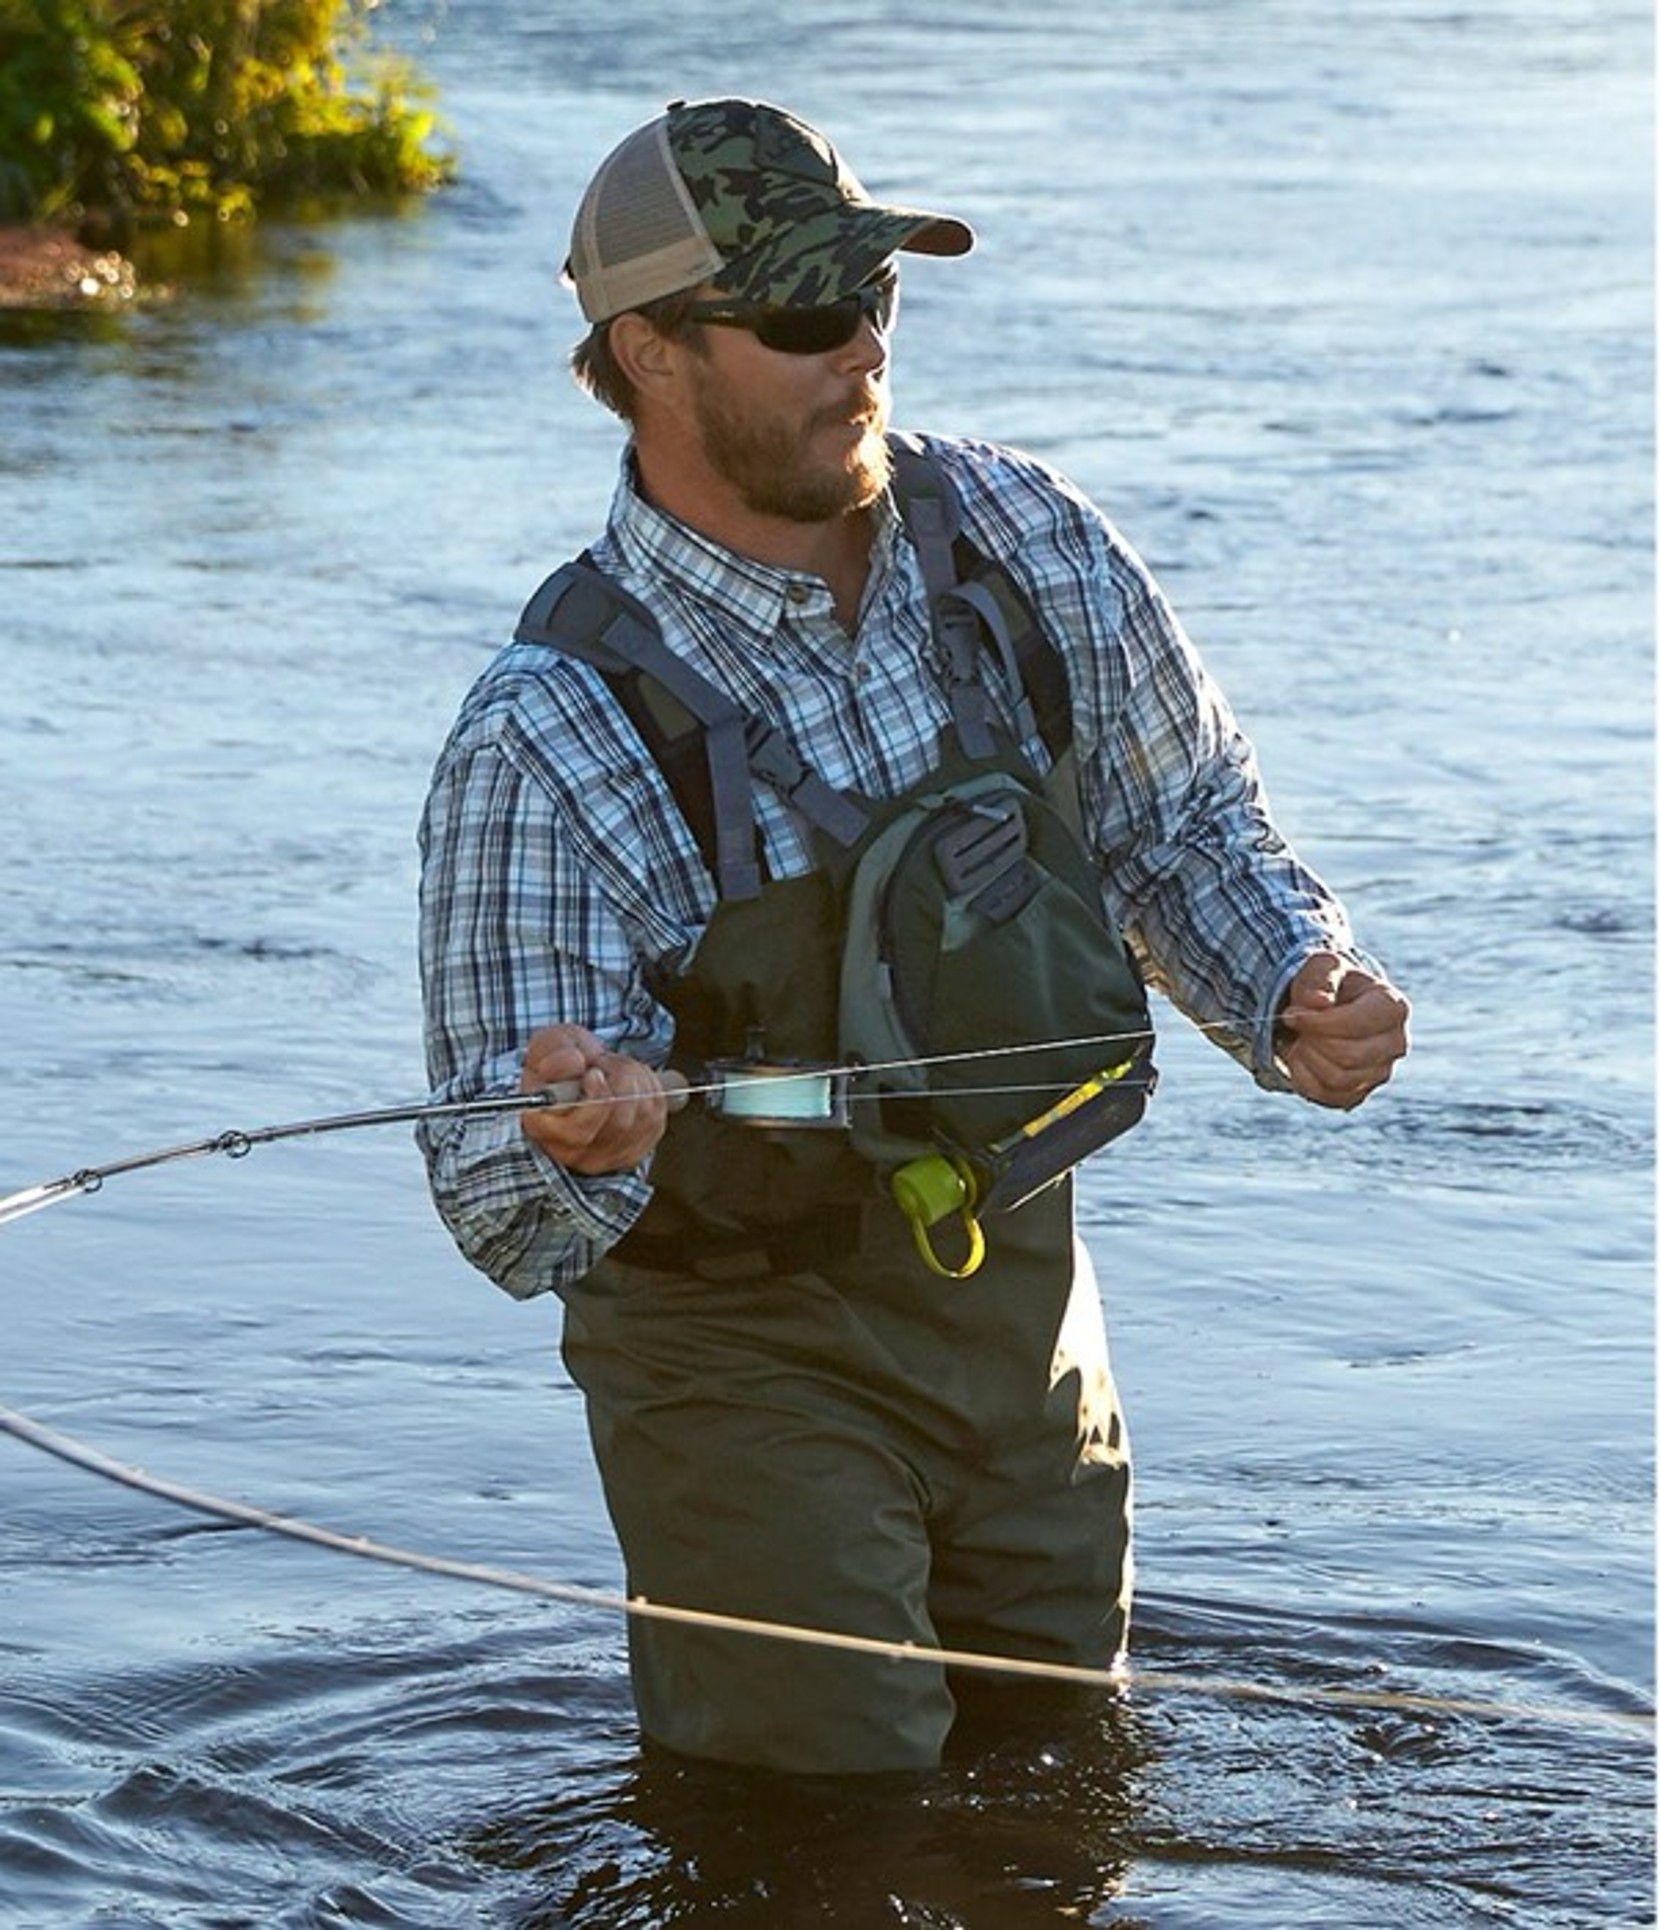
[[795, 1415]]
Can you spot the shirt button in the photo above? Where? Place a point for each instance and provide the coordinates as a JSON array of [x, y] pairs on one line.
[[797, 592]]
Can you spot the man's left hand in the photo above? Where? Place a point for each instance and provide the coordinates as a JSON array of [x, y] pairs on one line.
[[1343, 1032]]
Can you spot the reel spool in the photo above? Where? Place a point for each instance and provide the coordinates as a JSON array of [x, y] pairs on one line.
[[778, 1092]]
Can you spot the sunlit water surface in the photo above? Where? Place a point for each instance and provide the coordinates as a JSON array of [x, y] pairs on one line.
[[1344, 315]]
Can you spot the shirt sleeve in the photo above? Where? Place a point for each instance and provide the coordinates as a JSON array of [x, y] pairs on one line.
[[1218, 906], [514, 935]]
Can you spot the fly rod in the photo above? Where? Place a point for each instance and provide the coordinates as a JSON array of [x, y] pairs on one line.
[[236, 1143]]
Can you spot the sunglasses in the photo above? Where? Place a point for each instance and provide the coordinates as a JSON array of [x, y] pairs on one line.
[[807, 330]]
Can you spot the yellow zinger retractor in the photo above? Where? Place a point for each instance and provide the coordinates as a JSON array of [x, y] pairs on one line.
[[927, 1191]]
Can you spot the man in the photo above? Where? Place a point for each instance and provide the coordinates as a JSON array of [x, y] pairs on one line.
[[795, 1417]]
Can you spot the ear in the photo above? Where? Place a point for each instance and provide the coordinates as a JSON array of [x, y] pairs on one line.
[[648, 359]]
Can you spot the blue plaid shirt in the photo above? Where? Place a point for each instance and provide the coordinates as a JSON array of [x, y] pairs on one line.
[[557, 868]]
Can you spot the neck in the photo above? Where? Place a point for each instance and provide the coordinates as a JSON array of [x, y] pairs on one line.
[[836, 549]]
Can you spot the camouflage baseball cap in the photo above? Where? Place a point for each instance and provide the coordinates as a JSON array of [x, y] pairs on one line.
[[744, 196]]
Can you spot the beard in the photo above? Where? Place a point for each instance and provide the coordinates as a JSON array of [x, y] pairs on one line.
[[771, 465]]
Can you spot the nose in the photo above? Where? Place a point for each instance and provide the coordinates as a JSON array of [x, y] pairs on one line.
[[867, 351]]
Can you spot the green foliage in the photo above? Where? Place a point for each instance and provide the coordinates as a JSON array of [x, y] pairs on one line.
[[117, 113]]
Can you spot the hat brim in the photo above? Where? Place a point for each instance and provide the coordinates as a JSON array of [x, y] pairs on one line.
[[832, 253]]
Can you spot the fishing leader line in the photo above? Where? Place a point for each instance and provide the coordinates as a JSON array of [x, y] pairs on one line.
[[239, 1514]]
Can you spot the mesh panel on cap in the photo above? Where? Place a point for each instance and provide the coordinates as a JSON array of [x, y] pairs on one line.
[[638, 234]]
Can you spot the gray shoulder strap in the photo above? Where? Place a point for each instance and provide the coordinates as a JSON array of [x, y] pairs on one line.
[[582, 611], [956, 610]]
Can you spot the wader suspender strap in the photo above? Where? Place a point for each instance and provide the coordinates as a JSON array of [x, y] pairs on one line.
[[931, 517], [583, 612], [964, 614]]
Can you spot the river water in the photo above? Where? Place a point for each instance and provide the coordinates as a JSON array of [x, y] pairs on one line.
[[1344, 314]]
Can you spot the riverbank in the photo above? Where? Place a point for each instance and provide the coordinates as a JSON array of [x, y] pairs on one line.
[[49, 268]]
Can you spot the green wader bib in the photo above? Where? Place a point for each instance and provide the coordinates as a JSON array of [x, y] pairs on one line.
[[796, 1421]]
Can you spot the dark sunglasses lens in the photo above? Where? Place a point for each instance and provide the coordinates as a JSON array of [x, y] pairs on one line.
[[815, 331], [808, 331]]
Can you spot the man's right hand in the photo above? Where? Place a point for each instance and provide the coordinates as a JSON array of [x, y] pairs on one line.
[[619, 1117]]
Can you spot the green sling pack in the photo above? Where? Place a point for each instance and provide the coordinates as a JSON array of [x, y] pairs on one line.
[[992, 1022], [1001, 1021]]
